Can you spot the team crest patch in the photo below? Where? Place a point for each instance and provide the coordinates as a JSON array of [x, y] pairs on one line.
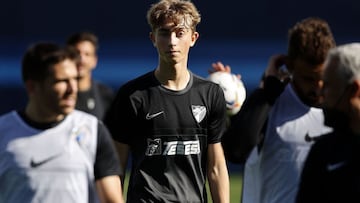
[[153, 147], [81, 134], [199, 112]]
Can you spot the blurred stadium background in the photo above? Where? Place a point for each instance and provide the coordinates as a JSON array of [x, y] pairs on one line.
[[242, 34]]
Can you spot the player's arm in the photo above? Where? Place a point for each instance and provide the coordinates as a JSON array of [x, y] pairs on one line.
[[107, 168], [109, 189], [123, 153], [248, 125], [218, 174]]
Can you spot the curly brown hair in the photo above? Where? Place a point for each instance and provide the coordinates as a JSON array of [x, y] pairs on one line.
[[178, 11], [310, 40]]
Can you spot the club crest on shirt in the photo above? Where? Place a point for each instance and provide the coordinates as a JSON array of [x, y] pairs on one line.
[[81, 134], [91, 103], [153, 147], [199, 112]]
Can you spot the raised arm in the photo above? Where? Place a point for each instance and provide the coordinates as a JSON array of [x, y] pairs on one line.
[[247, 126]]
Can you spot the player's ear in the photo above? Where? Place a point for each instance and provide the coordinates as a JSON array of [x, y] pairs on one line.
[[152, 38], [355, 89], [194, 37]]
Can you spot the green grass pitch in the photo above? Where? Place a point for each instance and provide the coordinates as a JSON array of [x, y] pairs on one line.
[[235, 187]]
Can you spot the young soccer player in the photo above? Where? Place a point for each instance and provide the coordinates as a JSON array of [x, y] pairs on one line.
[[170, 119]]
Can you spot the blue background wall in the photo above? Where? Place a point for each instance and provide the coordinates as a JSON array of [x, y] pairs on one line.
[[126, 19], [240, 33]]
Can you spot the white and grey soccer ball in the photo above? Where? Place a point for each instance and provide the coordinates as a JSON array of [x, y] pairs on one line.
[[234, 90]]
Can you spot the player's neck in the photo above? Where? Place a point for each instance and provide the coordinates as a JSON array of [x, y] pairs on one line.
[[84, 83], [173, 78], [37, 114]]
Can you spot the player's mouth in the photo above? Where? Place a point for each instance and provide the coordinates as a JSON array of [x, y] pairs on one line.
[[172, 52], [70, 101]]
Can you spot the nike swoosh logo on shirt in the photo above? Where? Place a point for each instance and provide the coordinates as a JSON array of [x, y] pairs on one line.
[[151, 116], [35, 164], [335, 166], [310, 139]]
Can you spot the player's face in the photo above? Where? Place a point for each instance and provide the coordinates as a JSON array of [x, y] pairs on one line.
[[332, 90], [56, 95], [307, 82], [337, 98], [88, 57], [173, 42]]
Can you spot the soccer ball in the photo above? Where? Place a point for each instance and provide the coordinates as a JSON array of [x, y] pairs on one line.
[[234, 90]]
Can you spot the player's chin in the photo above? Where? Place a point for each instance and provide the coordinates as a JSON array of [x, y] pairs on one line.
[[67, 109], [67, 106], [315, 101], [82, 71]]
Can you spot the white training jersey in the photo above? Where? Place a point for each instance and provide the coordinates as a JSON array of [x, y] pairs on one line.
[[250, 193], [291, 130], [52, 165]]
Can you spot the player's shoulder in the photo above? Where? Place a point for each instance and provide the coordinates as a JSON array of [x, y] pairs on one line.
[[198, 78], [6, 115], [141, 82], [83, 116], [328, 142], [149, 76], [8, 118], [202, 81], [204, 84]]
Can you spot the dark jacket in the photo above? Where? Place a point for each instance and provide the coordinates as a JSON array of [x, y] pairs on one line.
[[332, 170], [247, 127]]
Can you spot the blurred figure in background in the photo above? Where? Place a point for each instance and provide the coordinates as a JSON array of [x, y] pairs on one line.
[[50, 152], [279, 121], [331, 171], [93, 97]]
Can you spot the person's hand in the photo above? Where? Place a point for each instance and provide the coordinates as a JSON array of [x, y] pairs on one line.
[[276, 67], [219, 66]]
